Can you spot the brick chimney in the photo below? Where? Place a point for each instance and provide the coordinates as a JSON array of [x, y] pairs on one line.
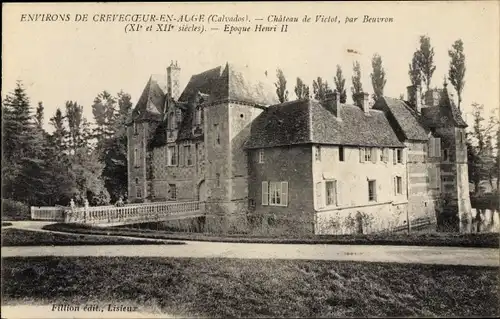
[[415, 97], [173, 86], [332, 103]]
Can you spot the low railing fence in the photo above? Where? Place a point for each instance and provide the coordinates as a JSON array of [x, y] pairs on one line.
[[118, 214], [48, 213]]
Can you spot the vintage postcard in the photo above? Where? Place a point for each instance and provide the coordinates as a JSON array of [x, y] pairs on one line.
[[238, 159]]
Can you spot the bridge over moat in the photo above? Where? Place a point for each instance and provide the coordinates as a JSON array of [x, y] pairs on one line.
[[105, 216]]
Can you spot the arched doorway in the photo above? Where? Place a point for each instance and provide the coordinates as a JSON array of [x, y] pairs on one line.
[[202, 191]]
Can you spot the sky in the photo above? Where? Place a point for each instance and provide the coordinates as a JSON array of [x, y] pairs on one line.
[[59, 61]]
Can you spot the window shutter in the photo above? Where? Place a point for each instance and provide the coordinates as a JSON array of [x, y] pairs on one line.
[[265, 194], [361, 155], [394, 156], [338, 195], [431, 147], [403, 156], [437, 142], [319, 200], [374, 155], [284, 193], [395, 184], [403, 185]]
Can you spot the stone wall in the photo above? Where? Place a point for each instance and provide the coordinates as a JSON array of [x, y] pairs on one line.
[[351, 176], [289, 164], [361, 220], [422, 199]]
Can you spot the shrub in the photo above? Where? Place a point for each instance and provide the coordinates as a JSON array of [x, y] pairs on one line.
[[14, 210]]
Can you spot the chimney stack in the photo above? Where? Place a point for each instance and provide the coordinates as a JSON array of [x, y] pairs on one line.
[[173, 86], [332, 103], [432, 97], [364, 102]]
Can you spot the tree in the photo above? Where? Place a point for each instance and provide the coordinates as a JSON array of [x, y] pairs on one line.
[[425, 60], [414, 70], [301, 90], [59, 135], [281, 90], [482, 165], [357, 86], [378, 77], [39, 116], [340, 84], [320, 89], [79, 129], [115, 172], [23, 163], [105, 114], [456, 72]]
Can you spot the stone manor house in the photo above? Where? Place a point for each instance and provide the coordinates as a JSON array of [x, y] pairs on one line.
[[302, 166]]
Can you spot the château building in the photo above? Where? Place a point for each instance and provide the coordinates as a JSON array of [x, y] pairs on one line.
[[302, 166]]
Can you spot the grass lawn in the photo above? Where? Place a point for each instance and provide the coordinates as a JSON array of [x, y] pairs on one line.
[[490, 240], [21, 237], [190, 287]]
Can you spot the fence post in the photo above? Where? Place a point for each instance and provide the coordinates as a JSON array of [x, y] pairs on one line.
[[408, 220], [32, 212]]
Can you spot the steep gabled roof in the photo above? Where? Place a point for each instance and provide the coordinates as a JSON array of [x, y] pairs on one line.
[[355, 127], [445, 114], [279, 125], [404, 117], [152, 100], [308, 121], [232, 82]]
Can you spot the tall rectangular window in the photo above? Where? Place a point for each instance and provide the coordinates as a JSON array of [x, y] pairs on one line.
[[398, 185], [368, 154], [341, 153], [446, 157], [399, 154], [172, 192], [372, 190], [261, 156], [135, 128], [217, 180], [217, 134], [172, 156], [138, 192], [188, 157], [278, 193], [136, 157], [317, 152], [331, 192]]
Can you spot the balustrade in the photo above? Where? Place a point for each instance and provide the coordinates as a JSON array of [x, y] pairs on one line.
[[155, 211]]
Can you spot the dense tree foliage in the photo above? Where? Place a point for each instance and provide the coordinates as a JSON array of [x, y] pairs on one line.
[[74, 160]]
